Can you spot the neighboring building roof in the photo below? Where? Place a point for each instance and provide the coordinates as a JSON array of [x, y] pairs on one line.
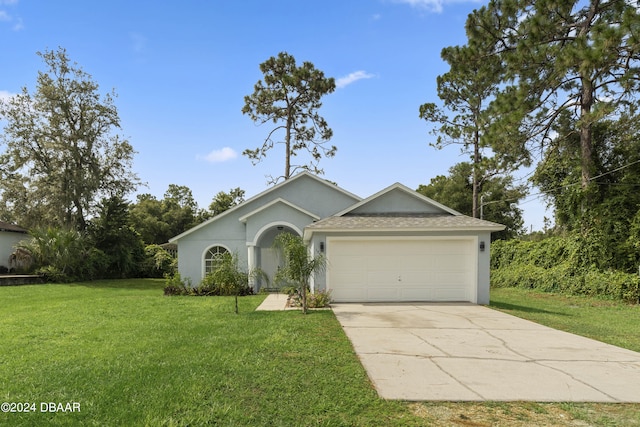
[[171, 248], [5, 226], [410, 222]]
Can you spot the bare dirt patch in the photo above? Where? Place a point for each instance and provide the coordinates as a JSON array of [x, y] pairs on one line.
[[525, 414]]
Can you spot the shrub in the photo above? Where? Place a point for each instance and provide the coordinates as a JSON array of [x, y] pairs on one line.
[[319, 299], [174, 285], [563, 265], [96, 265], [157, 262], [57, 252], [289, 289], [62, 255], [53, 274], [207, 287], [122, 245]]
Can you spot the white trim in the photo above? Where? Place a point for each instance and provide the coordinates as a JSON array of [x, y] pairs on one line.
[[399, 231], [259, 195], [474, 240], [251, 264], [244, 218], [269, 226], [407, 190]]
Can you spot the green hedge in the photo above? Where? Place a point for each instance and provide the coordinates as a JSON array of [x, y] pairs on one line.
[[174, 285], [562, 265]]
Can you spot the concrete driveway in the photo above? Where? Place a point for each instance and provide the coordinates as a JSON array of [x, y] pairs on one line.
[[466, 352]]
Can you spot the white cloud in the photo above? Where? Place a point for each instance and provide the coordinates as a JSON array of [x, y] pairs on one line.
[[432, 5], [222, 155], [353, 77], [14, 21]]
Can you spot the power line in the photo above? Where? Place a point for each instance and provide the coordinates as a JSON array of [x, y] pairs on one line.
[[540, 194]]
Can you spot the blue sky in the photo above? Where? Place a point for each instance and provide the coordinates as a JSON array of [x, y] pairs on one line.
[[181, 71]]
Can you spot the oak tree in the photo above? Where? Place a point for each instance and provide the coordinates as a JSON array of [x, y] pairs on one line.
[[224, 201], [61, 153]]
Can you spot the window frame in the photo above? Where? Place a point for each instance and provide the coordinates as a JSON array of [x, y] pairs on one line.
[[212, 258]]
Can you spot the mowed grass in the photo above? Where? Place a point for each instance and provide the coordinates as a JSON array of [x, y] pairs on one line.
[[608, 321], [131, 356]]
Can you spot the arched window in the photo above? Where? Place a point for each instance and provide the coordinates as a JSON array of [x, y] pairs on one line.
[[213, 257]]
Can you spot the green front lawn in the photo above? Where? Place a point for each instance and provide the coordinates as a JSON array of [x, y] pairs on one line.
[[613, 322], [130, 356]]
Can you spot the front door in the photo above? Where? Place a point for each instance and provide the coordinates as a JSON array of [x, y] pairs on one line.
[[270, 264]]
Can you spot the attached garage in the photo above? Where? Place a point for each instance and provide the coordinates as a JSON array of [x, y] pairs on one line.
[[400, 246], [376, 269]]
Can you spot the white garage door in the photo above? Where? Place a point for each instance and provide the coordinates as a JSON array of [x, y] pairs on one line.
[[397, 269]]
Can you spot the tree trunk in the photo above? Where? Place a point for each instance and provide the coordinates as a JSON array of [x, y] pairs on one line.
[[475, 183], [287, 138], [81, 223], [304, 298], [586, 144], [586, 102]]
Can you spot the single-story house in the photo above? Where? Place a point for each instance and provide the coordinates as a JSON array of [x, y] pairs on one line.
[[396, 245], [10, 235]]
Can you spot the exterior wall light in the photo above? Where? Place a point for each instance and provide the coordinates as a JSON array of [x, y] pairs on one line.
[[482, 246], [322, 247]]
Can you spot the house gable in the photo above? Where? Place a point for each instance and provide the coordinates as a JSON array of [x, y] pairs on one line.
[[306, 191], [278, 212], [278, 201], [397, 199], [248, 229]]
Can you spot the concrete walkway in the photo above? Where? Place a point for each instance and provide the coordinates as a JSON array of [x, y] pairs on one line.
[[466, 352], [274, 302]]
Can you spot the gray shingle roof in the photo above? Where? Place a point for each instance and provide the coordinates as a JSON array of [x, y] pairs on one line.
[[399, 222]]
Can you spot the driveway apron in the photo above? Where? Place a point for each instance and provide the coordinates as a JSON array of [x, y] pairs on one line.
[[467, 352]]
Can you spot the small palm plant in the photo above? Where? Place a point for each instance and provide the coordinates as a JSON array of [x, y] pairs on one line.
[[298, 263], [61, 252], [229, 277]]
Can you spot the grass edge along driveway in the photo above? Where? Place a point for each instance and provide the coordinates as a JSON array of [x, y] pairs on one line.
[[130, 356]]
